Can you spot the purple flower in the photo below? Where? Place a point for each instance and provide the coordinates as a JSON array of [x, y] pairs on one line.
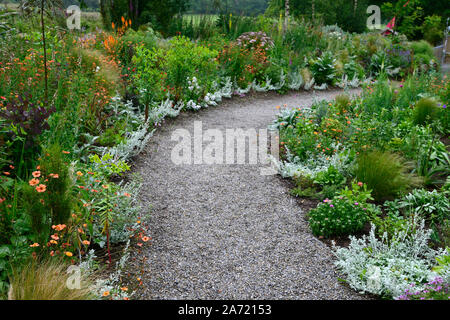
[[356, 203], [331, 206], [444, 106]]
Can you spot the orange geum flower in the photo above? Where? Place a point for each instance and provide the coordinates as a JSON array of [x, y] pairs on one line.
[[86, 242], [54, 237], [34, 245], [105, 294], [145, 239], [41, 188], [33, 182], [36, 174], [126, 194], [53, 242], [68, 253], [79, 174]]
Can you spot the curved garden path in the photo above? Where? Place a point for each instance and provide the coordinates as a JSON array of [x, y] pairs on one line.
[[225, 231]]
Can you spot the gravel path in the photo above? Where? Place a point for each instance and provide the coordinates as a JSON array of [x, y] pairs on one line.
[[225, 231]]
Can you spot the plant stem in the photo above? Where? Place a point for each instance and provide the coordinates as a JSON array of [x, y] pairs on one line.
[[45, 51]]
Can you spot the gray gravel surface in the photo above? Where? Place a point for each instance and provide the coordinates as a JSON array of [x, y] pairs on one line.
[[225, 231]]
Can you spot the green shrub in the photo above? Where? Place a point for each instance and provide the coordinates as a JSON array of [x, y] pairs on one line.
[[422, 47], [184, 61], [430, 205], [385, 173], [337, 217], [323, 69], [425, 111], [433, 29], [423, 54], [330, 177]]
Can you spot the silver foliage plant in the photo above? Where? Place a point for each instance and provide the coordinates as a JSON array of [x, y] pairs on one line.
[[388, 267]]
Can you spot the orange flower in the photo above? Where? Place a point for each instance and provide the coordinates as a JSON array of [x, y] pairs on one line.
[[34, 245], [6, 173], [36, 174], [59, 227], [145, 239], [41, 188], [79, 174], [54, 176], [33, 182], [126, 194], [86, 242], [124, 289], [68, 253], [65, 152], [105, 294], [54, 237]]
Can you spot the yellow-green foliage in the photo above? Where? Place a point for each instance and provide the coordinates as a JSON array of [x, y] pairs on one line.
[[46, 280], [306, 74], [425, 111], [94, 62]]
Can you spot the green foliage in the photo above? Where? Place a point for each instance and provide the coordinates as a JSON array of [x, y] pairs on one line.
[[330, 177], [432, 29], [430, 205], [385, 173], [107, 166], [323, 68], [47, 197], [158, 13], [359, 193], [337, 217]]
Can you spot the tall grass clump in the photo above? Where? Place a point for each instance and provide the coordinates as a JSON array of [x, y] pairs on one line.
[[425, 111], [385, 173], [46, 280], [381, 97]]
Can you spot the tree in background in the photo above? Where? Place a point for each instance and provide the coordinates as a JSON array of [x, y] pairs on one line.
[[240, 7], [418, 18], [350, 15], [414, 18], [157, 12]]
